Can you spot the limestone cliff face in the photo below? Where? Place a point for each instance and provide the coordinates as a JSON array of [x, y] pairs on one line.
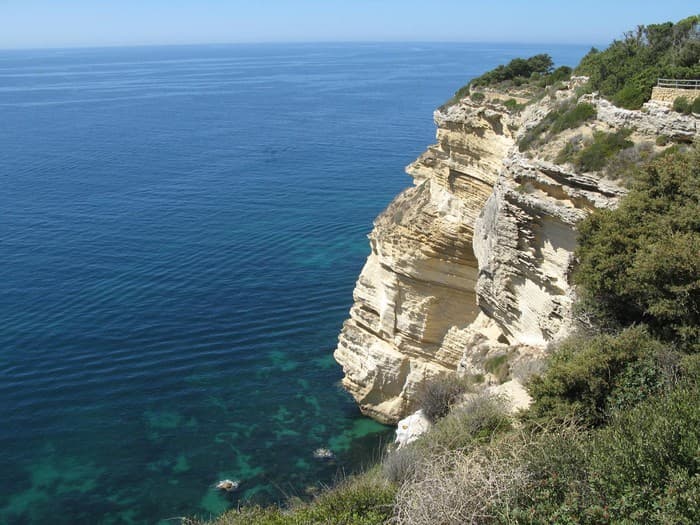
[[524, 242], [471, 263], [418, 285]]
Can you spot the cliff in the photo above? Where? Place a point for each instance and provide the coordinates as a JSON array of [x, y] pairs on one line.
[[470, 268]]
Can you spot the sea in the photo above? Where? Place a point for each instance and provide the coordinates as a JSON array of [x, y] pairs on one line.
[[181, 229]]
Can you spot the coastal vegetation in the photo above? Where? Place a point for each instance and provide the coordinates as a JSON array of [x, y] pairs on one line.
[[627, 70], [686, 106], [527, 76], [612, 435], [594, 154], [567, 115]]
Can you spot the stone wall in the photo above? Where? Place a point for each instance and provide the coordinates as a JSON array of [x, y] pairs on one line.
[[667, 94]]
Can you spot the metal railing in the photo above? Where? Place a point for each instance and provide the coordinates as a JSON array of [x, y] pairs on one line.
[[678, 84]]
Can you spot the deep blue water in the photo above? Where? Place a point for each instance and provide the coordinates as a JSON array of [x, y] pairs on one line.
[[180, 232]]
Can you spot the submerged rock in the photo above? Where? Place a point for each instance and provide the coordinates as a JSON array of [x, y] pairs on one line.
[[323, 453], [228, 485]]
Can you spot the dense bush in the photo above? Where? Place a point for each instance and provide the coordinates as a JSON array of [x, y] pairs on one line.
[[535, 71], [499, 367], [682, 105], [560, 74], [513, 105], [588, 377], [573, 117], [477, 97], [625, 163], [595, 155], [438, 394], [522, 68], [685, 106], [643, 467], [628, 69], [640, 262]]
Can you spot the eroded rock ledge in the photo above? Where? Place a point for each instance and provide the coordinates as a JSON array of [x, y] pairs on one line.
[[471, 263]]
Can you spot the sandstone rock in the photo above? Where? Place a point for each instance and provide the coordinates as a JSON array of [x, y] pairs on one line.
[[418, 284], [524, 241], [514, 395]]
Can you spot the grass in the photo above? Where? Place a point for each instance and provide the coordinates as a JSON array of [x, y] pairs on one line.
[[367, 499], [466, 426]]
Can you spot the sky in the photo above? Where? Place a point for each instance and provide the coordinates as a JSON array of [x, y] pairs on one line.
[[70, 23]]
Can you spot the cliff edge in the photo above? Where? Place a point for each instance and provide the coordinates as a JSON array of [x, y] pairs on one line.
[[470, 268]]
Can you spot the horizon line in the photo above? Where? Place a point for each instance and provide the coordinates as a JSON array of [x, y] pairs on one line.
[[291, 42]]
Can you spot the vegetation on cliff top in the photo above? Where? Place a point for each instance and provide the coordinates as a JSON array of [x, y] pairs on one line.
[[627, 70], [535, 72], [624, 73]]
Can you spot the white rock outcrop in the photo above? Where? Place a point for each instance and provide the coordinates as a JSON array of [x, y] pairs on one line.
[[654, 119], [411, 428]]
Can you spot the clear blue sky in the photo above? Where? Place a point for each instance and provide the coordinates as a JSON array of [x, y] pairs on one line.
[[67, 23]]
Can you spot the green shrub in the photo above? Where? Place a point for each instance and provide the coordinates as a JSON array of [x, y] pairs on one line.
[[573, 117], [517, 70], [556, 489], [632, 95], [499, 367], [477, 96], [662, 140], [682, 105], [640, 262], [594, 155], [625, 163], [695, 106], [437, 395], [643, 467], [646, 465], [568, 152], [685, 106], [513, 105], [560, 74], [628, 69], [589, 377]]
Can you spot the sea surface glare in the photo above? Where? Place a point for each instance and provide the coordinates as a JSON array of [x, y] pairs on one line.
[[181, 229]]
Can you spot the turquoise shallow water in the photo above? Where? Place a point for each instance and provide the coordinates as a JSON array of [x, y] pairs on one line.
[[181, 230]]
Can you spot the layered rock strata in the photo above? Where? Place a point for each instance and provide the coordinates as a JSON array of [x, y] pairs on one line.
[[470, 266], [419, 282]]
